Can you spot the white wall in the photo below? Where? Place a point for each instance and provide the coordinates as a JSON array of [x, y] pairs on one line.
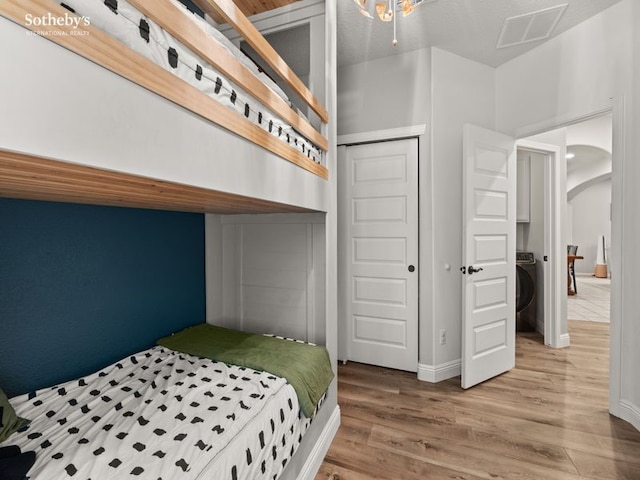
[[584, 171], [581, 178], [592, 161], [585, 70], [595, 132], [626, 188], [267, 274], [398, 91], [567, 77], [590, 219], [386, 93], [463, 92], [530, 235]]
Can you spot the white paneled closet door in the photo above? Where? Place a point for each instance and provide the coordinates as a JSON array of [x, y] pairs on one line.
[[379, 195]]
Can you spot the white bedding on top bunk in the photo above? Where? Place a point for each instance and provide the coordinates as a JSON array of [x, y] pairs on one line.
[[162, 415], [125, 27]]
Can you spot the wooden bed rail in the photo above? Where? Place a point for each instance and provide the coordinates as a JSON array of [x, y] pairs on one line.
[[169, 17], [97, 46], [234, 16], [35, 178]]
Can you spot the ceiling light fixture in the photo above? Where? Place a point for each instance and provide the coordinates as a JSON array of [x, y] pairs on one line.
[[387, 10]]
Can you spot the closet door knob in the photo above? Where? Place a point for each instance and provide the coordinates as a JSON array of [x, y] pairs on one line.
[[412, 268]]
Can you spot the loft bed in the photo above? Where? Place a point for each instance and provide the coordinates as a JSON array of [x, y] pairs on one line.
[[72, 131], [255, 126]]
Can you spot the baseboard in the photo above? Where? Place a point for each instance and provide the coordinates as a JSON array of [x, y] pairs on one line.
[[564, 340], [438, 373], [320, 449], [628, 412], [540, 327]]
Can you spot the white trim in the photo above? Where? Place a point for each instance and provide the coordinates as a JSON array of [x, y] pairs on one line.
[[438, 373], [554, 241], [320, 449], [565, 341], [381, 354], [540, 327], [382, 135], [213, 256], [273, 20], [274, 218], [311, 287], [559, 122], [628, 412], [618, 267], [343, 256]]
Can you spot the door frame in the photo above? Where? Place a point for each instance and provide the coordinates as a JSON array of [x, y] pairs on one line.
[[617, 108], [344, 141], [555, 304]]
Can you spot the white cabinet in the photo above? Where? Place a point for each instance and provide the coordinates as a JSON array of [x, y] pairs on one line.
[[523, 187]]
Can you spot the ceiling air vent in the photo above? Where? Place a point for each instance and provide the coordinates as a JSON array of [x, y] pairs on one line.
[[530, 27]]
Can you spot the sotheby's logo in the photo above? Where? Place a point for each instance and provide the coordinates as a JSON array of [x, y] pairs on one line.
[[39, 24]]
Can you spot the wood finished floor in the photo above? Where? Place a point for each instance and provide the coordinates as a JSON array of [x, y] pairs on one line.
[[547, 419]]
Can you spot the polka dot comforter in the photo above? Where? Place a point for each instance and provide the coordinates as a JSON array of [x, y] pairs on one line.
[[162, 415]]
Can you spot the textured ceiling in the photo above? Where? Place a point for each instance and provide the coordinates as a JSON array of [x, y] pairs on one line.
[[469, 28]]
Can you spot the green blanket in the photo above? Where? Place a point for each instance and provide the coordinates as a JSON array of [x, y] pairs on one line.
[[306, 367]]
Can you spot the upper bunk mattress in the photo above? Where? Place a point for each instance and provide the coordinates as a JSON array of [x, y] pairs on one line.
[[161, 414], [124, 22]]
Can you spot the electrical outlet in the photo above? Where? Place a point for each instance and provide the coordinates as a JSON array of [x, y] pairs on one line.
[[443, 337]]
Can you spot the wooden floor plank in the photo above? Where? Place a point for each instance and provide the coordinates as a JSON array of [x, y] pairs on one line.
[[545, 419], [383, 463], [595, 466], [470, 460]]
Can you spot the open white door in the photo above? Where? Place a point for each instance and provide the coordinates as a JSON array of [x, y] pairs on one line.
[[489, 243]]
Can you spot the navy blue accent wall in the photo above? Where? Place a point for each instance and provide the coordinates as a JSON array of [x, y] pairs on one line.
[[82, 286]]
